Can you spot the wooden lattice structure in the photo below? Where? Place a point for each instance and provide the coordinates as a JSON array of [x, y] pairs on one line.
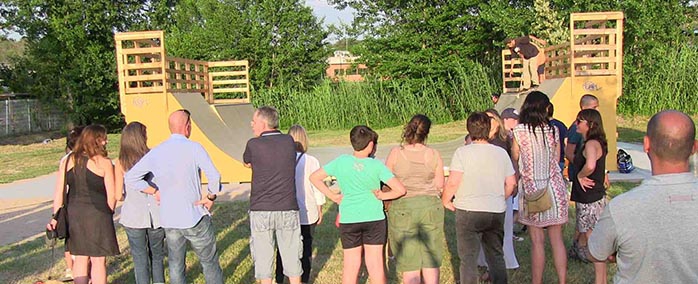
[[144, 68], [595, 49]]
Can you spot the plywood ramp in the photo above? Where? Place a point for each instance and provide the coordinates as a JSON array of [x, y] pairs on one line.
[[224, 141]]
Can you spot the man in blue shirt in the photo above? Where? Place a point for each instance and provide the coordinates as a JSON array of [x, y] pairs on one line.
[[184, 214]]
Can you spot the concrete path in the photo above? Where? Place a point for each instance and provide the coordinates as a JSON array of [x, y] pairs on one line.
[[26, 206]]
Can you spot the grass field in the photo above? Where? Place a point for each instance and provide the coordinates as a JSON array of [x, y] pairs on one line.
[[26, 262], [27, 156]]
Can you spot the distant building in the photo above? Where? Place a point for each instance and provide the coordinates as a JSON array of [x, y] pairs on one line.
[[342, 66]]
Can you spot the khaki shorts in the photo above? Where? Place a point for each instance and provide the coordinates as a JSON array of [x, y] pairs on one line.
[[416, 232]]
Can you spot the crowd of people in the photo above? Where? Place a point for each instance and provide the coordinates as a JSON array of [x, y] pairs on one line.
[[511, 169]]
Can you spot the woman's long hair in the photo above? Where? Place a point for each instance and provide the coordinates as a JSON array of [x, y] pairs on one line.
[[534, 112], [417, 130], [595, 123], [90, 144], [133, 145], [501, 132]]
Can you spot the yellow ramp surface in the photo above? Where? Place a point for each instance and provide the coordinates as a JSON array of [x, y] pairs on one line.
[[224, 140], [565, 93]]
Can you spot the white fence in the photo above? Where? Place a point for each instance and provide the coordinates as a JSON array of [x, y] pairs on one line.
[[20, 115]]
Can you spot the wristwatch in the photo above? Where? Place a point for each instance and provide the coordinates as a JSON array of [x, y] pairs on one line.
[[211, 197]]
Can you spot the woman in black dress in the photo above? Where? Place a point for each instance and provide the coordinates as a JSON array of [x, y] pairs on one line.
[[90, 205]]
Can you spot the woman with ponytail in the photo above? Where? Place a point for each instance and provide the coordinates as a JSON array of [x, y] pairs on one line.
[[415, 221]]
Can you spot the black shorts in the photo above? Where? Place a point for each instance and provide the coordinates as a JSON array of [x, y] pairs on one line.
[[364, 233], [541, 69]]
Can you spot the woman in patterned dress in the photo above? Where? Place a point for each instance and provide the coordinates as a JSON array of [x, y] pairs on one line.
[[536, 149]]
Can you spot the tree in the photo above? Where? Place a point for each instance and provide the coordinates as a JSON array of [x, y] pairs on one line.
[[414, 39], [282, 39], [69, 60], [548, 25]]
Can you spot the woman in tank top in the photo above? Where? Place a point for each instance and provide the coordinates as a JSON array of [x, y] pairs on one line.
[[415, 221], [588, 188], [89, 175]]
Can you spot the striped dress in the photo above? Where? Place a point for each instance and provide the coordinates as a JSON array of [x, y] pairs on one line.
[[538, 165]]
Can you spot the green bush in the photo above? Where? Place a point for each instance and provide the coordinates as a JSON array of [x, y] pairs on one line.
[[669, 82], [384, 102]]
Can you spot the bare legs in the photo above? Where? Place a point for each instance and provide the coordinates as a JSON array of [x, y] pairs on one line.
[[374, 264], [97, 267], [599, 267], [538, 253], [430, 276]]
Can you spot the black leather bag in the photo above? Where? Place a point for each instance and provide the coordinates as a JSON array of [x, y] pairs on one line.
[[61, 216]]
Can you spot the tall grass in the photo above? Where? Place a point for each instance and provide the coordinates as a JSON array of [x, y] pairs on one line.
[[382, 103], [669, 82]]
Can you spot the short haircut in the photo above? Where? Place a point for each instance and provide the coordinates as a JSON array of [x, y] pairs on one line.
[[270, 115], [300, 137], [360, 135], [478, 126], [587, 100], [551, 110], [669, 140]]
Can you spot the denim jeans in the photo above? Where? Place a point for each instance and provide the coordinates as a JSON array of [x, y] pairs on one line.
[[469, 226], [148, 252], [202, 239], [307, 232]]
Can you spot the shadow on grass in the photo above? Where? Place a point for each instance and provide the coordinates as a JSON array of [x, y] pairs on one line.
[[31, 138], [326, 245], [452, 247]]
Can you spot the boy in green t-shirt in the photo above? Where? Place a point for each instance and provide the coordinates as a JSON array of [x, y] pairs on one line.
[[362, 221]]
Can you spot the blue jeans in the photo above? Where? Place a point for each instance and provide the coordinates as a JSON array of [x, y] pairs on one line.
[[202, 239], [148, 252]]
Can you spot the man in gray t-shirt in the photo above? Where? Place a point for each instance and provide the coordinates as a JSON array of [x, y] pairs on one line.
[[652, 228]]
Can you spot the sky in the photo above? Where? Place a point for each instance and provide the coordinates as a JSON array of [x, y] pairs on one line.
[[332, 15]]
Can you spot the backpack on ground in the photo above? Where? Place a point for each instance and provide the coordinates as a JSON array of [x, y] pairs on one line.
[[625, 162]]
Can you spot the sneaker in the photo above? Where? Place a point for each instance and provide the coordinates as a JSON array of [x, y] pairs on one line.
[[518, 239]]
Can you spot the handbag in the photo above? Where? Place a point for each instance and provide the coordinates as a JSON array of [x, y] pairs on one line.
[[61, 216], [540, 200]]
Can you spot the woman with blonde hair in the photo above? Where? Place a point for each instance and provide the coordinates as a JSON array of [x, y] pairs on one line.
[[89, 175], [140, 212], [415, 227], [310, 201]]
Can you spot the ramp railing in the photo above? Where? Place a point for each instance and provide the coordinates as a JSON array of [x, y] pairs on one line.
[[595, 49], [144, 68], [230, 80]]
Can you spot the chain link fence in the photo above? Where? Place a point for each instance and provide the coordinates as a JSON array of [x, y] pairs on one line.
[[20, 115]]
